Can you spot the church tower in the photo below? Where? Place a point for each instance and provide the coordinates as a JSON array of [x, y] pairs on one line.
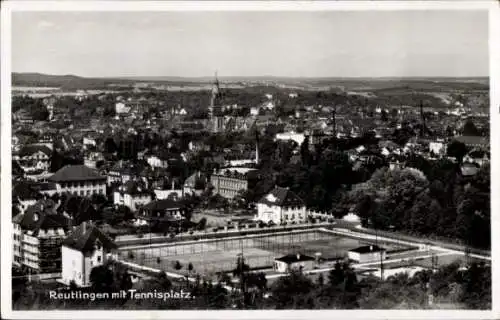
[[215, 113]]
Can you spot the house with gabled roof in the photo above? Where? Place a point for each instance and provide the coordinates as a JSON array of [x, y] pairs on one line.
[[281, 205], [85, 248]]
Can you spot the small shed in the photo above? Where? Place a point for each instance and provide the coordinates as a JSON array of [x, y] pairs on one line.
[[369, 253], [293, 262]]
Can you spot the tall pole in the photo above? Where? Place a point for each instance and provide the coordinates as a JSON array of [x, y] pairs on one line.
[[422, 120], [334, 122]]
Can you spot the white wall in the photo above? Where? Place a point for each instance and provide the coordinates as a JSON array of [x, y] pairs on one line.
[[133, 202], [366, 257], [277, 214], [87, 189], [72, 266]]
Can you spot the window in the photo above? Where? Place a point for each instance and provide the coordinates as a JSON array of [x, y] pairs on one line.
[[99, 259]]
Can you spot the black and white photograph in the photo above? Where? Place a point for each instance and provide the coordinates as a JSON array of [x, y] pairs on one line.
[[239, 158]]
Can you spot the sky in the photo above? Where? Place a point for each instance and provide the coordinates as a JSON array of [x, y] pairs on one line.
[[288, 44]]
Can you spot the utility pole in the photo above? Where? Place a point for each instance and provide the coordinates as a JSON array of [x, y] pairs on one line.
[[334, 122]]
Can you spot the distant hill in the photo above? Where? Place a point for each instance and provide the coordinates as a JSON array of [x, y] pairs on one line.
[[72, 82], [63, 81]]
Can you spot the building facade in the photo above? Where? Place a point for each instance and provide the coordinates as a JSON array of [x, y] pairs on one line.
[[79, 180], [231, 181], [132, 194], [38, 235]]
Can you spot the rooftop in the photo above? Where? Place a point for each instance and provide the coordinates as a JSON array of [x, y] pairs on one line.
[[292, 258], [76, 173], [281, 197], [367, 249], [85, 237]]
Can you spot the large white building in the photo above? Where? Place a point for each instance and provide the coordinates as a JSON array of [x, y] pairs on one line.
[[281, 206], [79, 180], [133, 195], [84, 249]]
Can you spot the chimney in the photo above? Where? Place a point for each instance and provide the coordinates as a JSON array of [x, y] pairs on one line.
[[84, 226], [173, 185], [298, 256], [371, 248]]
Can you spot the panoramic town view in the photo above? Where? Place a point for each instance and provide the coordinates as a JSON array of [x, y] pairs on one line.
[[218, 160]]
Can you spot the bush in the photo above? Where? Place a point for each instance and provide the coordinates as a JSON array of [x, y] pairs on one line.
[[191, 232], [140, 236], [172, 235]]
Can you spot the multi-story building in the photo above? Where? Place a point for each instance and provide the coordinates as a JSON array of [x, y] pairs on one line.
[[229, 182], [38, 235], [79, 180], [281, 206], [85, 248], [132, 194]]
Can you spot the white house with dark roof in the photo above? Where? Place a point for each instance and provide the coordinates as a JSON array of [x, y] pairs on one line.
[[369, 253], [79, 180], [281, 206], [132, 194], [292, 262], [85, 248], [38, 234]]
